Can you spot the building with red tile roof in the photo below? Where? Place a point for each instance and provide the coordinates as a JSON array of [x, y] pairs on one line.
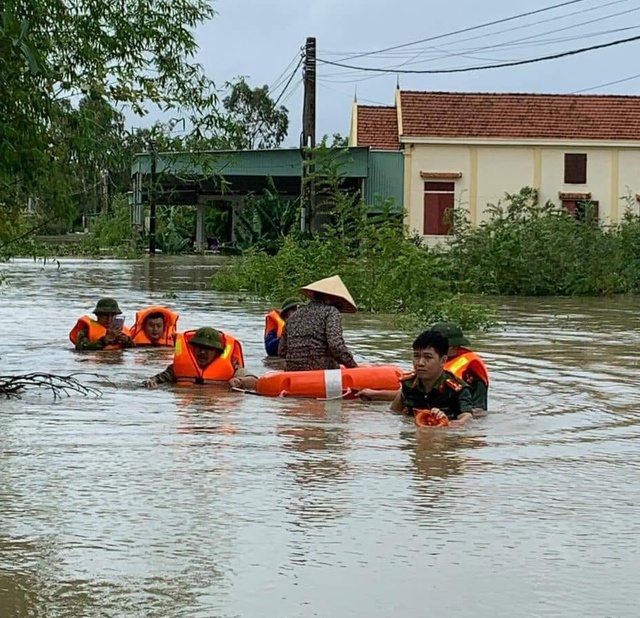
[[469, 149]]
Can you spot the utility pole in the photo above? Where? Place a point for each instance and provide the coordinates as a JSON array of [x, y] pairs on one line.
[[308, 141], [152, 199]]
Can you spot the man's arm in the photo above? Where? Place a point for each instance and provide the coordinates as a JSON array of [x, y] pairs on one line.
[[243, 379], [465, 404], [83, 343], [398, 403], [337, 346], [161, 378], [371, 394]]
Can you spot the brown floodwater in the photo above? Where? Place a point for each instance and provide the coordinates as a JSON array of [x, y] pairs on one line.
[[197, 502]]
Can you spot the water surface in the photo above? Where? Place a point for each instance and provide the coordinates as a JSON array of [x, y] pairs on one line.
[[199, 502]]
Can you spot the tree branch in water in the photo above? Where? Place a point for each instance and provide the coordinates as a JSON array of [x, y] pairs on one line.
[[12, 387]]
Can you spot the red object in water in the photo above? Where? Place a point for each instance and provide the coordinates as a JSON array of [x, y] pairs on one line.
[[426, 418]]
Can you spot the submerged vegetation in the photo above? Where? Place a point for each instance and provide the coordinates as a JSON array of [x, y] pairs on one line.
[[523, 248], [531, 249]]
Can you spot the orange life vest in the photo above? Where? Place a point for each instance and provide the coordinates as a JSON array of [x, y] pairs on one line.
[[170, 327], [273, 321], [95, 332], [186, 369], [467, 362]]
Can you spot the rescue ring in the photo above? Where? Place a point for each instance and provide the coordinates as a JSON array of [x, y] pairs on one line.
[[329, 383]]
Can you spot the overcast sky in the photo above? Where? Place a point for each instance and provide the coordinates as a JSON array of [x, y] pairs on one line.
[[260, 38]]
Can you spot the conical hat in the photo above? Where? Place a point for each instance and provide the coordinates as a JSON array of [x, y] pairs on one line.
[[332, 286]]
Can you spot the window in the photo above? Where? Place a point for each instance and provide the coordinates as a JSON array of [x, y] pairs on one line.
[[575, 169], [583, 210], [438, 207]]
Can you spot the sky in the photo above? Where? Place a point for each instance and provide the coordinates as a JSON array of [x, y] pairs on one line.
[[260, 39]]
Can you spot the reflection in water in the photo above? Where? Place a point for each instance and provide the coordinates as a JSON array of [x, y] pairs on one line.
[[316, 457], [201, 502]]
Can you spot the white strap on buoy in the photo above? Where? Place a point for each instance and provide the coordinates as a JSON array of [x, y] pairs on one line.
[[333, 383]]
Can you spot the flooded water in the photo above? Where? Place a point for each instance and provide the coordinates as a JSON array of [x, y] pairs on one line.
[[193, 502]]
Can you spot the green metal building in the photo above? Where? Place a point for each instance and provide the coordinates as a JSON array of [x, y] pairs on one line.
[[224, 178]]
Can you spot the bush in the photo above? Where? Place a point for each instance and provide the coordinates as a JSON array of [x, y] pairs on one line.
[[527, 248]]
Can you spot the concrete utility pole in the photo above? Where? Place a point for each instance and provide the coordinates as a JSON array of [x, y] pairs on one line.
[[152, 199], [308, 135]]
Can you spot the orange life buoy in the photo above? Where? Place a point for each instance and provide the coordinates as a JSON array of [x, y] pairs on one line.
[[170, 327], [330, 382]]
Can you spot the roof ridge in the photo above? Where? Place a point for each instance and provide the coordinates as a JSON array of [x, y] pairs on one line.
[[524, 94]]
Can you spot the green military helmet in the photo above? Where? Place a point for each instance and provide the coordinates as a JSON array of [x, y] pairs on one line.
[[452, 332], [207, 337], [107, 305], [290, 303]]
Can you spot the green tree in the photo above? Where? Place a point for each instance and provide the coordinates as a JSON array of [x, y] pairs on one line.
[[253, 119], [67, 70]]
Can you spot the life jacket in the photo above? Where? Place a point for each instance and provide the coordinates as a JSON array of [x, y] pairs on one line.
[[273, 321], [186, 369], [468, 362], [95, 332], [170, 323]]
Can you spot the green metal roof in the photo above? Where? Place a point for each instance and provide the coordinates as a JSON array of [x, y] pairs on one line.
[[280, 162], [382, 172]]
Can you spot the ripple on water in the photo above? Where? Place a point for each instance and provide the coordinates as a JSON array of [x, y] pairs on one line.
[[198, 502]]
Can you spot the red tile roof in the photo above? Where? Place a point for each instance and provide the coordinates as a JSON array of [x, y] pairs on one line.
[[377, 127], [523, 116]]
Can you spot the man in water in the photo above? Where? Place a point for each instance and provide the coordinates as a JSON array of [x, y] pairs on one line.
[[430, 387]]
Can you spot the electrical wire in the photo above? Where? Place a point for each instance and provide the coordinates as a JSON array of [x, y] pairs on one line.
[[572, 52], [503, 31], [348, 76], [280, 79], [463, 30], [613, 83], [446, 53]]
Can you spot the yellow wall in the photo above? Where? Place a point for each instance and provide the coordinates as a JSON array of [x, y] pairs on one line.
[[488, 171]]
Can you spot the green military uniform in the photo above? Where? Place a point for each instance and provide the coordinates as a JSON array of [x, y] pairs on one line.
[[479, 390], [448, 393], [456, 338]]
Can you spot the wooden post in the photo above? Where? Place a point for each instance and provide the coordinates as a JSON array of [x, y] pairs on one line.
[[152, 199], [308, 140]]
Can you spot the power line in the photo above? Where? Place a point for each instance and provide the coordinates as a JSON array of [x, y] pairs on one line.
[[572, 52], [463, 30], [278, 82], [293, 74], [515, 42], [505, 30], [564, 28], [617, 81], [345, 75]]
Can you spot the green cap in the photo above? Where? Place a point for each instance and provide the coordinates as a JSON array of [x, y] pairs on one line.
[[208, 337], [107, 305], [452, 332], [290, 303]]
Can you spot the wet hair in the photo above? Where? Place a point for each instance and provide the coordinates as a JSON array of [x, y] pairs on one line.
[[155, 315], [430, 339]]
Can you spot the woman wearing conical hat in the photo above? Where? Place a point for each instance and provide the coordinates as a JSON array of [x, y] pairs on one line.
[[312, 337]]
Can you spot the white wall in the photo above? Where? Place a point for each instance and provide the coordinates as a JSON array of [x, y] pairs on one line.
[[501, 170], [488, 171]]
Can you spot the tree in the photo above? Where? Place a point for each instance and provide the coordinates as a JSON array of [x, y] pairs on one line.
[[253, 119], [55, 54]]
